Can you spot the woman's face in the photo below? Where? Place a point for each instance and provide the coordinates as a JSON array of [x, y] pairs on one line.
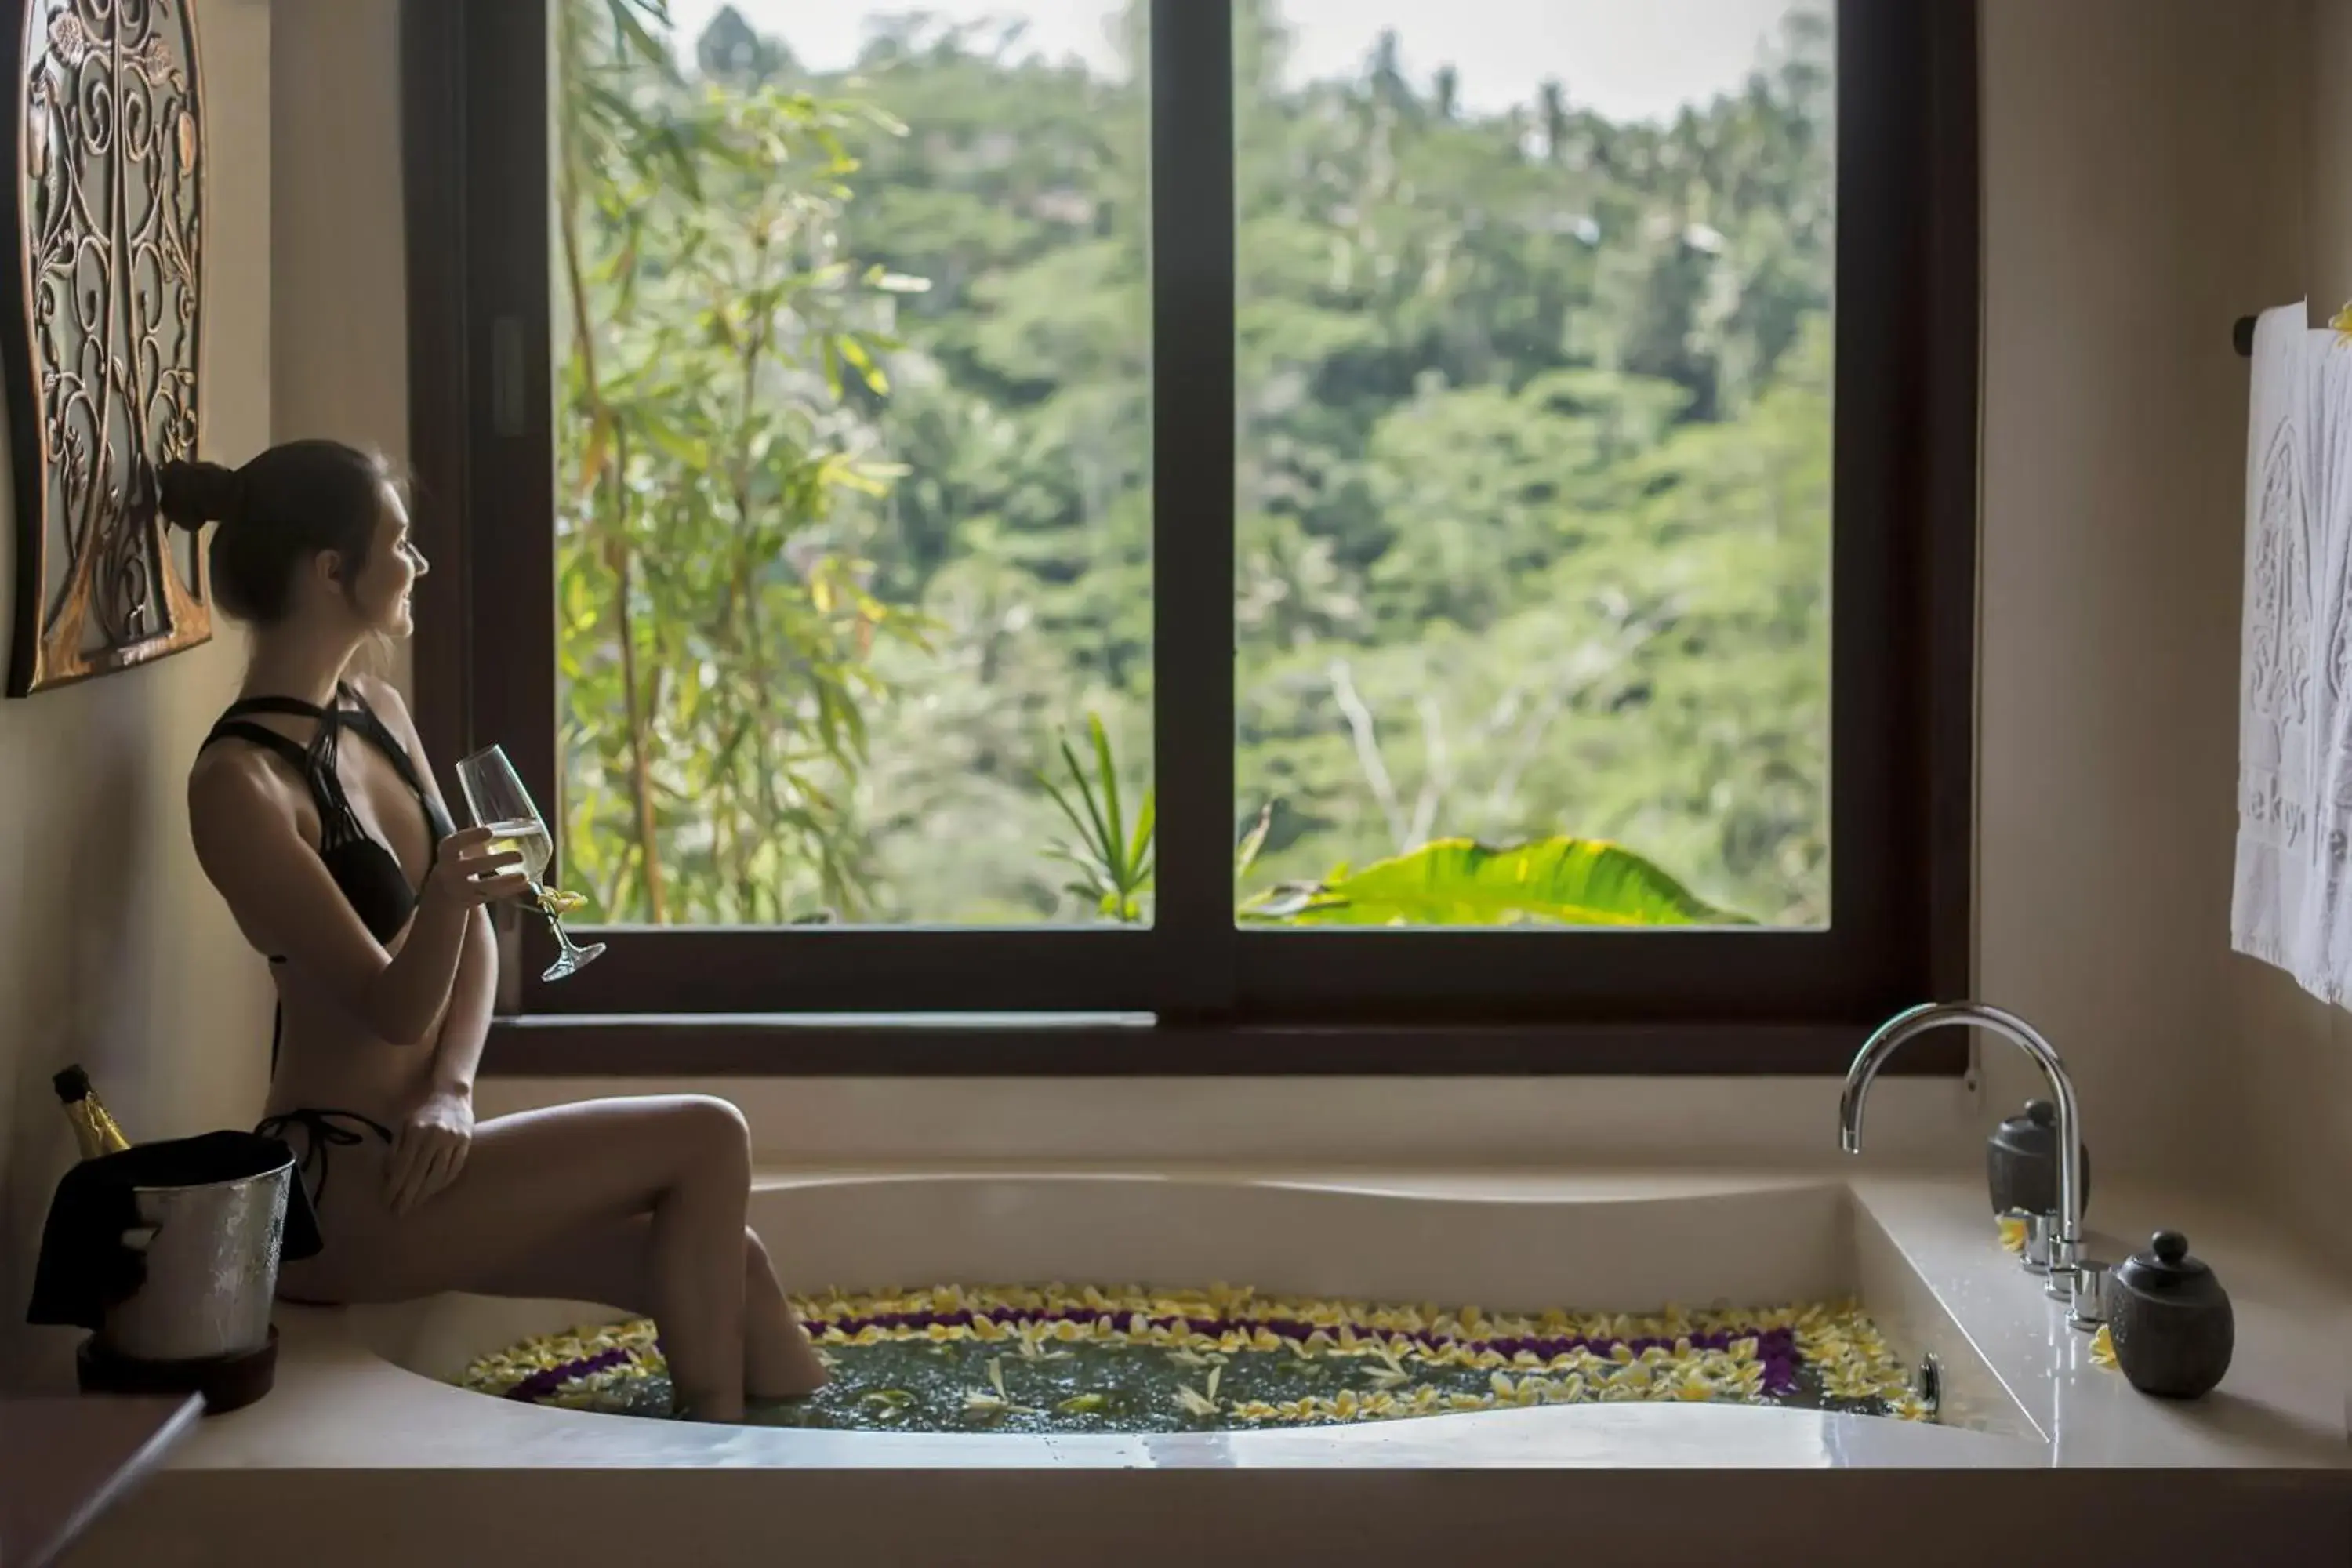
[[381, 591]]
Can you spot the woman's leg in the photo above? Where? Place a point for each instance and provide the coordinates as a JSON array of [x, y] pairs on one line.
[[611, 1263], [779, 1363], [682, 1162]]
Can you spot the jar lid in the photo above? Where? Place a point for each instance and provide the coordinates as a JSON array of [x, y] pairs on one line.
[[2166, 1265], [2034, 1131]]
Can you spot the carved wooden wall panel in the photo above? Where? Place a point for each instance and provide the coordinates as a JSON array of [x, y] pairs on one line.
[[99, 329]]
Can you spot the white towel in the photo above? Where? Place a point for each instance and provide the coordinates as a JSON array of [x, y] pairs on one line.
[[2327, 915], [2290, 906]]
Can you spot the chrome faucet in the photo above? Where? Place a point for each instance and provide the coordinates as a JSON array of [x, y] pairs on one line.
[[2074, 1279]]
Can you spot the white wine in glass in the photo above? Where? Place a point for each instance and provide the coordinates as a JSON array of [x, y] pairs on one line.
[[496, 799], [525, 838]]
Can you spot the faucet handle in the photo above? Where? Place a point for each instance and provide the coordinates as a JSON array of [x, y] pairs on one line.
[[2087, 1304], [2040, 1229], [2048, 1251]]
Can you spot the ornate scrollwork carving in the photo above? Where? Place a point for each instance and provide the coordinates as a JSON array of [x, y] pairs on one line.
[[100, 333]]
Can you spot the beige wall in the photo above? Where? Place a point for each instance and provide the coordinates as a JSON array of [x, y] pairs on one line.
[[2294, 1052], [112, 951], [2143, 167], [340, 362], [339, 368], [2155, 168]]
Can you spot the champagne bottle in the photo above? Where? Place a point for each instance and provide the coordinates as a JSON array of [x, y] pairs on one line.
[[94, 1130]]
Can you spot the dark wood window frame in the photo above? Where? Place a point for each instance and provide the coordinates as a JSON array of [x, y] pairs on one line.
[[1209, 997]]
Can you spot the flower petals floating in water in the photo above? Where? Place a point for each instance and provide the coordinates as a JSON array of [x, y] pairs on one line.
[[1397, 1360]]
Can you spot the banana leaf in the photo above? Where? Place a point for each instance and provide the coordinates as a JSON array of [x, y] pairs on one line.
[[1455, 882]]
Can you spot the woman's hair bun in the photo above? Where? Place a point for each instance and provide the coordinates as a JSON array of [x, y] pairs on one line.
[[193, 494]]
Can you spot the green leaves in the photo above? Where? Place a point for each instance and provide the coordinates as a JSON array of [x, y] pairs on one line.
[[1451, 883], [1246, 852], [718, 636], [1454, 882], [1113, 857], [1534, 479]]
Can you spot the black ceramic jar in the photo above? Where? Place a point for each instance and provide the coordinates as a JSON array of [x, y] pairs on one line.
[[2171, 1321], [2021, 1162]]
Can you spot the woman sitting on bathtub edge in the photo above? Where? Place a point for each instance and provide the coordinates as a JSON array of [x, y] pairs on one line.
[[315, 814]]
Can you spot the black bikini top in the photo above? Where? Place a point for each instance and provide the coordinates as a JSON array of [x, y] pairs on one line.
[[367, 870]]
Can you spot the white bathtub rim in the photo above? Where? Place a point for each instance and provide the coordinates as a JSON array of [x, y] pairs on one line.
[[471, 1431], [1485, 1189], [2280, 1408]]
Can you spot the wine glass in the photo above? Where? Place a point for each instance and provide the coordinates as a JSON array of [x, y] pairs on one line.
[[496, 799]]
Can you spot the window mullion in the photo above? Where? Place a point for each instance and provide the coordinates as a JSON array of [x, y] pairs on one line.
[[1191, 106]]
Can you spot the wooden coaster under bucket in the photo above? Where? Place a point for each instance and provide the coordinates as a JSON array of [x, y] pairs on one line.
[[225, 1382]]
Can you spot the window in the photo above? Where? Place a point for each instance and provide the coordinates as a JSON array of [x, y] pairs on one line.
[[852, 509], [1447, 521]]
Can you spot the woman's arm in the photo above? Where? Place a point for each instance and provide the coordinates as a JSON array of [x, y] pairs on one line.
[[473, 993], [429, 1151], [282, 897], [472, 999]]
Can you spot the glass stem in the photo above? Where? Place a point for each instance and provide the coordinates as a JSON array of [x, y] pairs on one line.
[[554, 921], [562, 937]]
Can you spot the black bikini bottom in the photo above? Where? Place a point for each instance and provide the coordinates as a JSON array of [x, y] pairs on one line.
[[324, 1130]]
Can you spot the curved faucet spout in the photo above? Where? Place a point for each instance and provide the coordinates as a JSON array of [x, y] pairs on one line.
[[1891, 1035]]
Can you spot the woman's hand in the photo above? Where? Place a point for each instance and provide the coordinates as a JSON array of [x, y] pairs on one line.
[[467, 872], [429, 1150]]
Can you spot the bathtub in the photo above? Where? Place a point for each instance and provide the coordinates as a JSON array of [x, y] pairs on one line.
[[1632, 1248], [365, 1420]]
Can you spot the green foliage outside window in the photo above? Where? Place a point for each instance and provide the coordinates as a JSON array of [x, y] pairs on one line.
[[1533, 504]]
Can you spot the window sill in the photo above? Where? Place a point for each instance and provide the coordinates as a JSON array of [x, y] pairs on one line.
[[1018, 1044]]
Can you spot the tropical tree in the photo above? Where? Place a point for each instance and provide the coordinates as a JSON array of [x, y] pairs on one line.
[[716, 626], [1532, 509]]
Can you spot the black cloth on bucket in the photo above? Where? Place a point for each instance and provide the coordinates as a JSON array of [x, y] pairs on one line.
[[84, 1267]]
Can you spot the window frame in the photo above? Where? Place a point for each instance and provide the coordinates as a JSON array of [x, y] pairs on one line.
[[1224, 998]]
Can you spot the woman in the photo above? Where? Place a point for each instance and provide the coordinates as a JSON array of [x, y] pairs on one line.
[[339, 862]]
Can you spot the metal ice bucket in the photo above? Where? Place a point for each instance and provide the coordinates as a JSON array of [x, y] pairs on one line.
[[212, 1254]]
